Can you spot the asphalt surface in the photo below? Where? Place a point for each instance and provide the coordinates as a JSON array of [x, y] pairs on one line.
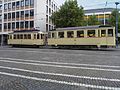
[[59, 69]]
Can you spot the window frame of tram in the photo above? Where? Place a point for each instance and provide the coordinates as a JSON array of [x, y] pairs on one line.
[[38, 36], [70, 34], [109, 33], [10, 37], [53, 35], [49, 34], [61, 34], [42, 36], [103, 33], [91, 33], [29, 36], [80, 34], [25, 36], [15, 36], [35, 36], [21, 36]]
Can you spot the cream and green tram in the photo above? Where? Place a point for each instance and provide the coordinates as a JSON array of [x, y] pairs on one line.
[[27, 38], [86, 36]]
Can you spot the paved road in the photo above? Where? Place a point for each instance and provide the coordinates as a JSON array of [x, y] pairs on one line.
[[57, 69]]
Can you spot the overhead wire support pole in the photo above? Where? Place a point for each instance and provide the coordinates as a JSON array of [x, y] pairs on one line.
[[116, 28], [104, 13]]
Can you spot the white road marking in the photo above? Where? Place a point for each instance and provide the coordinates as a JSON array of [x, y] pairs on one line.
[[61, 66], [59, 82], [36, 61], [63, 75]]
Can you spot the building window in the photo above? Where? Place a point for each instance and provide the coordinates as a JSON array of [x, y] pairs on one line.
[[0, 27], [22, 3], [50, 2], [9, 25], [26, 24], [9, 5], [5, 16], [9, 15], [17, 24], [46, 18], [22, 14], [22, 25], [0, 7], [17, 15], [49, 10], [13, 25], [27, 13], [5, 25], [31, 12], [31, 2], [5, 6], [46, 9], [31, 24], [46, 1], [13, 4], [13, 15], [17, 4], [26, 2]]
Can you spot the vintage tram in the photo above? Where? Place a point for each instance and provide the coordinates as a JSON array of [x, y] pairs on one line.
[[71, 37]]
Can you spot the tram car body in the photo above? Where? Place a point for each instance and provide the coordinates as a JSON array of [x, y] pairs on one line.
[[86, 36], [27, 38]]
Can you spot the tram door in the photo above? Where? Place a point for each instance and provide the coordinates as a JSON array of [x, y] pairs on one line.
[[44, 37]]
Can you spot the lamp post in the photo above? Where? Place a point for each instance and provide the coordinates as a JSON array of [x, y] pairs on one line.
[[116, 28]]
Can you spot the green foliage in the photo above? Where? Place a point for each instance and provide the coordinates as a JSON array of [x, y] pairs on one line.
[[113, 19], [92, 20], [69, 15]]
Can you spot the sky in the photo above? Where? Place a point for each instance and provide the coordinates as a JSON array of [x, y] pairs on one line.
[[91, 4]]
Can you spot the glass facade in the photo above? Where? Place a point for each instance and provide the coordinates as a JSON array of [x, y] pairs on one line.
[[19, 15]]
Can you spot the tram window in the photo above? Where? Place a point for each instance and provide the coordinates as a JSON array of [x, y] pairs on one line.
[[29, 36], [34, 36], [103, 33], [42, 36], [49, 35], [18, 36], [14, 36], [70, 34], [25, 36], [38, 36], [80, 34], [91, 33], [98, 33], [61, 34], [110, 32], [53, 35], [21, 36], [10, 36]]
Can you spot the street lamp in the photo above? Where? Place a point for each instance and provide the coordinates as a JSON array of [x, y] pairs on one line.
[[116, 24]]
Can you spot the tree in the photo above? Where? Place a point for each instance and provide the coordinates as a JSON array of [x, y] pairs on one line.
[[69, 15], [113, 19], [92, 20]]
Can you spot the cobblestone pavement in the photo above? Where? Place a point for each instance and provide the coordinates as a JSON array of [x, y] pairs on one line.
[[58, 69]]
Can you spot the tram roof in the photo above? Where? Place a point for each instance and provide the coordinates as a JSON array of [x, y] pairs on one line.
[[83, 27]]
